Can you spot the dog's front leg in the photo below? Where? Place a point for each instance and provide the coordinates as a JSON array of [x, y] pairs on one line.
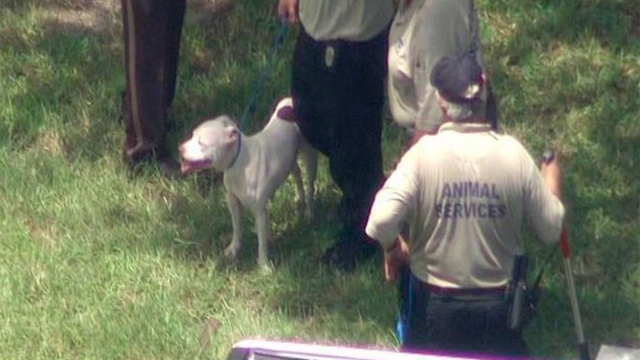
[[262, 225], [236, 212]]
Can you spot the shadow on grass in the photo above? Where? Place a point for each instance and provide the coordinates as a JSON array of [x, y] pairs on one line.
[[322, 302], [69, 63], [63, 74]]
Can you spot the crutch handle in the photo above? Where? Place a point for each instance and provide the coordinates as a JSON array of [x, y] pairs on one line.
[[583, 348]]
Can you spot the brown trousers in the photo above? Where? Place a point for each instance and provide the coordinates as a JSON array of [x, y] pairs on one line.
[[152, 30]]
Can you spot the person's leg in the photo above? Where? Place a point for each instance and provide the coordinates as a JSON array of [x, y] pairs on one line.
[[415, 303], [144, 111], [308, 83], [468, 325], [144, 38], [339, 101], [175, 12], [355, 155], [497, 338]]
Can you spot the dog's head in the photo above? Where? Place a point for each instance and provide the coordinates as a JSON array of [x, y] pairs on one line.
[[214, 143]]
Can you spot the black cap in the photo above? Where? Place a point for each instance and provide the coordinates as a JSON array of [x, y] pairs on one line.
[[454, 77]]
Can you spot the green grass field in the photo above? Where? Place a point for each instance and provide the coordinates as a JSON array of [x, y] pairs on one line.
[[96, 264]]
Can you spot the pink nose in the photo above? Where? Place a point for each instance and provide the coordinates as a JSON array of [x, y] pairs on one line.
[[181, 149]]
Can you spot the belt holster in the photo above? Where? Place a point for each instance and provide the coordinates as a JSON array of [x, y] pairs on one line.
[[521, 299]]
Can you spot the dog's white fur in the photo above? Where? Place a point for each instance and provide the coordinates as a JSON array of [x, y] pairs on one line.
[[254, 168]]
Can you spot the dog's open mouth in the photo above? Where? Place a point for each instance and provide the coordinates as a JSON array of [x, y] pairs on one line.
[[188, 167]]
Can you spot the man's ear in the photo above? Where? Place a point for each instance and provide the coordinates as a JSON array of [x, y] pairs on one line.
[[484, 78]]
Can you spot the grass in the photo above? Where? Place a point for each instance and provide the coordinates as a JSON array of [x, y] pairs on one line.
[[97, 264]]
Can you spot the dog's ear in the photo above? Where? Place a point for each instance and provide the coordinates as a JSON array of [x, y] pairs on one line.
[[232, 133]]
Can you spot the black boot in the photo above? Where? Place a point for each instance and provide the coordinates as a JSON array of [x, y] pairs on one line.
[[351, 248]]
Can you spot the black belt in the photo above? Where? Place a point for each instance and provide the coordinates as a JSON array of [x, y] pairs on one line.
[[470, 294], [436, 290], [433, 291]]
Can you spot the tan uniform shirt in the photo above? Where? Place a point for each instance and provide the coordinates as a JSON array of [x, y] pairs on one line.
[[421, 34], [463, 195], [354, 20]]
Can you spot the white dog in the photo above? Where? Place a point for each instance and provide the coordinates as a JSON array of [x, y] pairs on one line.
[[254, 167]]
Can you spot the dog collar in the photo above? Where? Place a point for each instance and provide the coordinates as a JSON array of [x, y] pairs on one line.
[[235, 157]]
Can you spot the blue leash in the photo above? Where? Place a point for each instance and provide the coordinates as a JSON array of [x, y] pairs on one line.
[[251, 108]]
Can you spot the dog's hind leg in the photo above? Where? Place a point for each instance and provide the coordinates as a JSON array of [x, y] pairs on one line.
[[310, 158], [262, 226], [236, 213], [297, 176]]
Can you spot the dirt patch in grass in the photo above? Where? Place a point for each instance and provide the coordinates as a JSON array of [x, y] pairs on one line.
[[91, 15], [100, 15]]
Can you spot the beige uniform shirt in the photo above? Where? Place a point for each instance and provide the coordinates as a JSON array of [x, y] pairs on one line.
[[354, 20], [421, 34], [463, 195]]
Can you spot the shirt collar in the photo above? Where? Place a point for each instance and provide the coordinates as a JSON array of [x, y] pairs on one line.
[[465, 127]]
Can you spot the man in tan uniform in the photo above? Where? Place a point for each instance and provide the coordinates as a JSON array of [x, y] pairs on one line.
[[461, 196], [422, 32], [337, 86]]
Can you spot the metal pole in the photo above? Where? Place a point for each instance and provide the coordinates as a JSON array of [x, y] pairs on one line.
[[583, 347], [565, 248]]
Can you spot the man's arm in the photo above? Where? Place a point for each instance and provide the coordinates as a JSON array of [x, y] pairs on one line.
[[385, 220], [544, 210], [391, 206], [390, 210], [552, 174]]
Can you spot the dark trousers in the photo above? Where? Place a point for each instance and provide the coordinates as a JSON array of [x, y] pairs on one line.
[[338, 94], [152, 30], [462, 323]]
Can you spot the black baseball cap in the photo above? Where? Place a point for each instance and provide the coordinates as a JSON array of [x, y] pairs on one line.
[[455, 77]]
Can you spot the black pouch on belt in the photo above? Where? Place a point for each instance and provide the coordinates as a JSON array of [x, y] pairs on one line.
[[521, 299]]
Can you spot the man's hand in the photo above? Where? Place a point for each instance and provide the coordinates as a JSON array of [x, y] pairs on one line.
[[395, 257], [288, 10], [552, 175]]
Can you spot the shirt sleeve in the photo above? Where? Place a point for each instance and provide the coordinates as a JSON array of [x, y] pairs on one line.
[[395, 201], [543, 210]]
